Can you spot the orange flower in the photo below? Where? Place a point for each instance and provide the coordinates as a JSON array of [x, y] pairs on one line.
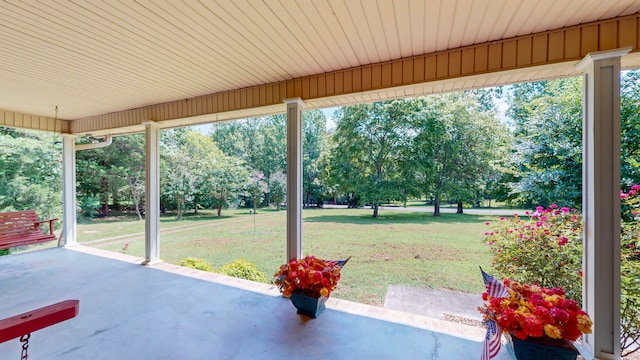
[[311, 276], [552, 331]]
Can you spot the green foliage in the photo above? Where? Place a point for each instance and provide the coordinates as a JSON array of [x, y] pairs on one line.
[[243, 269], [546, 160], [195, 263], [89, 204], [260, 142], [30, 172], [544, 249], [278, 188], [197, 173], [313, 149], [629, 129], [630, 272], [256, 188], [4, 252], [457, 143], [369, 139], [113, 174]]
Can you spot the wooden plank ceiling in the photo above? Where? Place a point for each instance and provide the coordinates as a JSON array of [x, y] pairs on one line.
[[91, 57]]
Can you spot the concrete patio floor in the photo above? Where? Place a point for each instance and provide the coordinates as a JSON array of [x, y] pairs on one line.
[[129, 311]]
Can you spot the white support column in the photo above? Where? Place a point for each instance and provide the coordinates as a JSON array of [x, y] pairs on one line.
[[152, 193], [601, 201], [294, 178], [69, 221]]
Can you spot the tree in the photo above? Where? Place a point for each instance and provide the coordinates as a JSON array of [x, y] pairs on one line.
[[179, 173], [111, 174], [630, 131], [456, 142], [278, 188], [260, 142], [546, 155], [200, 174], [369, 139], [30, 172], [314, 128], [229, 177], [256, 188]]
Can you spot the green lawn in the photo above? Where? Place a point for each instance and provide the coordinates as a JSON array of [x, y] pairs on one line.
[[398, 248]]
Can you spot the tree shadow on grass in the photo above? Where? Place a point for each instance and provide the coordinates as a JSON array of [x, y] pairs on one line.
[[399, 218], [191, 217]]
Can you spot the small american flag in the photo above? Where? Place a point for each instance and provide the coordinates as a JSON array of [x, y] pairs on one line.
[[494, 287], [338, 263], [491, 346]]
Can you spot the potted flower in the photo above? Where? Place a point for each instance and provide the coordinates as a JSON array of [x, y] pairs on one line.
[[308, 282], [536, 320]]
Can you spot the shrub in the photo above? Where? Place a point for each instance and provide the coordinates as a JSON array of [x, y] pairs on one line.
[[547, 249], [243, 269], [196, 263], [5, 252], [630, 272], [544, 248]]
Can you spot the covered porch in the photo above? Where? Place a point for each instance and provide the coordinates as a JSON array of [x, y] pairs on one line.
[[128, 311], [120, 68]]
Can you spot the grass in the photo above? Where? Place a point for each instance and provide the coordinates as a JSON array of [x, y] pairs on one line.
[[398, 248]]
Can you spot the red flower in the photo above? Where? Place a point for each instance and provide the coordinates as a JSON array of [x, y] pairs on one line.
[[533, 326], [533, 311]]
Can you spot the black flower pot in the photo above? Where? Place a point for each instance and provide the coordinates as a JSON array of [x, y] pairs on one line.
[[308, 305], [541, 348]]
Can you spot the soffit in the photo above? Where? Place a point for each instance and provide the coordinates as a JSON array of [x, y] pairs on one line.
[[96, 57]]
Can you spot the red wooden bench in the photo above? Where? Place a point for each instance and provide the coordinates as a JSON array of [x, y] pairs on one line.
[[21, 228]]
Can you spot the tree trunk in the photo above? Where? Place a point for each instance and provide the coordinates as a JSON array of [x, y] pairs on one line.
[[404, 199], [138, 211], [116, 202], [180, 210], [195, 209], [436, 205], [375, 211], [459, 211], [105, 208], [135, 198], [219, 210]]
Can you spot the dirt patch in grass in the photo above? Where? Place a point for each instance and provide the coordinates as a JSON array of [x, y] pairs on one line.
[[379, 257], [440, 253], [208, 242]]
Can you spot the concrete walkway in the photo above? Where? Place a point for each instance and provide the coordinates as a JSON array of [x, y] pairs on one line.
[[440, 304]]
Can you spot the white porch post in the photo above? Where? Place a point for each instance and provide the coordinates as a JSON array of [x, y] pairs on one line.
[[152, 193], [601, 201], [294, 178], [69, 190]]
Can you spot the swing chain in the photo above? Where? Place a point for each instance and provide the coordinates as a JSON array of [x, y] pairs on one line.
[[24, 339]]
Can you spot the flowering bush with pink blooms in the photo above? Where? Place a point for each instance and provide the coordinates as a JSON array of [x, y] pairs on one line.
[[544, 248]]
